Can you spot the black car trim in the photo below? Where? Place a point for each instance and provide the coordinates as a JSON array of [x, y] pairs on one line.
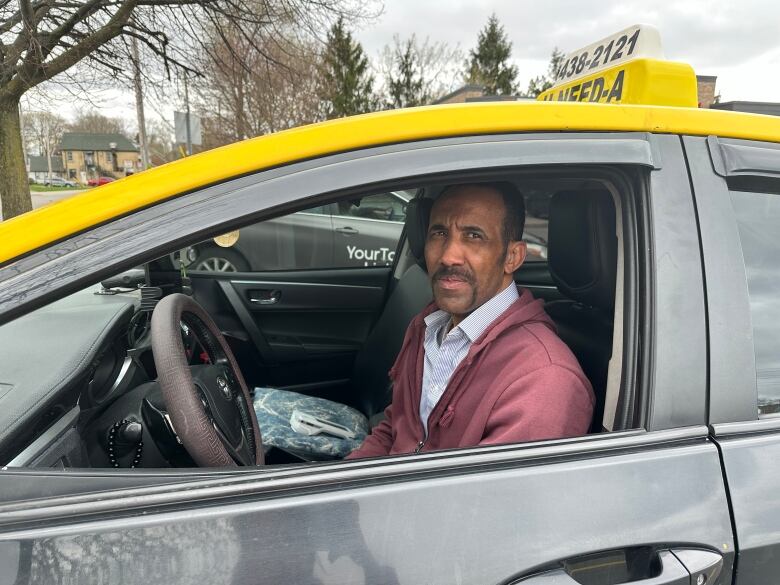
[[739, 158]]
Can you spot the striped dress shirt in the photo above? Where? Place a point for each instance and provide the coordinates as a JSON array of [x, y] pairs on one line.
[[444, 351]]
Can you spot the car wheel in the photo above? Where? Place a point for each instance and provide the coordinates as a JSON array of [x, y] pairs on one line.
[[220, 260]]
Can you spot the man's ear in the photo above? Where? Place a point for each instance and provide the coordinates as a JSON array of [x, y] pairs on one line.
[[515, 256]]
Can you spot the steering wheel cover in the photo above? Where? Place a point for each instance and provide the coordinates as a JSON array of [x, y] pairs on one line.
[[189, 418]]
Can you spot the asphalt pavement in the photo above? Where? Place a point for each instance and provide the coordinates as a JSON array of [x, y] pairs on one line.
[[39, 199]]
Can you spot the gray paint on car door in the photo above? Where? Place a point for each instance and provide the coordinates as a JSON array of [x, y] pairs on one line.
[[483, 516]]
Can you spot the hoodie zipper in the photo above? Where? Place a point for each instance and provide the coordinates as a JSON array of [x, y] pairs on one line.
[[420, 445]]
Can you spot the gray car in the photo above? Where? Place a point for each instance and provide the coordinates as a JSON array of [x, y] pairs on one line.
[[356, 233], [662, 276], [58, 182]]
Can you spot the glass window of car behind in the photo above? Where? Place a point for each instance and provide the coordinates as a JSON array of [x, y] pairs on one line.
[[360, 232]]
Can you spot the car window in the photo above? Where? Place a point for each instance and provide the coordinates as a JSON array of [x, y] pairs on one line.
[[321, 237], [359, 232], [385, 206], [297, 241], [758, 219], [537, 215], [319, 210]]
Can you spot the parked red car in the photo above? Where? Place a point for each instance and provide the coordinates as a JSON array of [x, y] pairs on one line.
[[97, 181]]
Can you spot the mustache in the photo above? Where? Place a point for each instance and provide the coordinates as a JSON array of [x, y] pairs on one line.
[[445, 271]]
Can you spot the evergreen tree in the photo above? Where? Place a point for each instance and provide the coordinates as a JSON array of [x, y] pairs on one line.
[[405, 82], [488, 64], [347, 84], [544, 82]]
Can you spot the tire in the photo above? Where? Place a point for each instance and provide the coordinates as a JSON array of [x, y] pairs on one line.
[[220, 260]]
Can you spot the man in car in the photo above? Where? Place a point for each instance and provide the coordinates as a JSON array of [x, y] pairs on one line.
[[482, 364]]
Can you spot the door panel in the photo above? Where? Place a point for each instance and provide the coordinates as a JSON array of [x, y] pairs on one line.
[[485, 516], [750, 455], [296, 328]]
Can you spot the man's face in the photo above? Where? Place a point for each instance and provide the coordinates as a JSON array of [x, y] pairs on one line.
[[468, 261]]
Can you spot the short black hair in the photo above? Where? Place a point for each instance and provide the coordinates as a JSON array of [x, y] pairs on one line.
[[514, 206]]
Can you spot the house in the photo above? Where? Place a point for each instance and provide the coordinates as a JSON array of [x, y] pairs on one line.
[[474, 93], [86, 156], [38, 167]]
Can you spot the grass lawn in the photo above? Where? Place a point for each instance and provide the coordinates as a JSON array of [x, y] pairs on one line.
[[44, 188]]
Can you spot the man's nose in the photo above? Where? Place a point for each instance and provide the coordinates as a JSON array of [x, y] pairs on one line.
[[452, 254]]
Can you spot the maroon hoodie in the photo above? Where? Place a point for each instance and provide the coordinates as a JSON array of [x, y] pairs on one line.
[[518, 382]]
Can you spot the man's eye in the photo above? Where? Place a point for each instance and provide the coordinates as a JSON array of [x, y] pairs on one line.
[[436, 234], [474, 236]]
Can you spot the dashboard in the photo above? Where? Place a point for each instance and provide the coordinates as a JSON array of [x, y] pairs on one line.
[[77, 387]]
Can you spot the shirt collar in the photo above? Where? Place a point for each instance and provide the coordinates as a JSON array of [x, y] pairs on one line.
[[478, 321]]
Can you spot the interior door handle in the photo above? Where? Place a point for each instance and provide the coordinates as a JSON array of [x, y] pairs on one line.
[[265, 296], [347, 231], [678, 567]]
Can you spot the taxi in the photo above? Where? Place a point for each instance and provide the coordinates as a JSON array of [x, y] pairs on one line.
[[129, 373]]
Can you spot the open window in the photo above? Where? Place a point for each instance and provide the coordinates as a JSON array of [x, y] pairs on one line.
[[299, 319]]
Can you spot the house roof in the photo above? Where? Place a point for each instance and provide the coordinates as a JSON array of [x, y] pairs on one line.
[[95, 142], [469, 87], [768, 108], [38, 164]]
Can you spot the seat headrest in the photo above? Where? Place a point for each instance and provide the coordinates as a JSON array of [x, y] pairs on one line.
[[418, 213], [582, 248]]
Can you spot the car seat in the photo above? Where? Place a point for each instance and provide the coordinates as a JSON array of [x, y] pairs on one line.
[[582, 257], [370, 383]]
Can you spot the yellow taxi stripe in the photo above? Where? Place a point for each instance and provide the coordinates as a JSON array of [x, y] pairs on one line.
[[43, 226]]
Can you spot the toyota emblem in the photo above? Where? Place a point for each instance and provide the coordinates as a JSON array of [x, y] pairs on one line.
[[223, 385]]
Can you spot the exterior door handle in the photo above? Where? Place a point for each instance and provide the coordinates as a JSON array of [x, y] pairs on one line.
[[265, 296], [678, 567], [347, 231]]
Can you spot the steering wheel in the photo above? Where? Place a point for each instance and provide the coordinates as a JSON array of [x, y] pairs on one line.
[[209, 405]]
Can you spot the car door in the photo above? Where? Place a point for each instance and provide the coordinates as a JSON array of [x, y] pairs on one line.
[[298, 313], [737, 184], [295, 241], [644, 504], [366, 231]]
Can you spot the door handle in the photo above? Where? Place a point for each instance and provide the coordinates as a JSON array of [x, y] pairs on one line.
[[265, 296], [347, 231], [678, 567]]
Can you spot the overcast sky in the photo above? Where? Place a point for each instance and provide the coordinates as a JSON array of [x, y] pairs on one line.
[[739, 41]]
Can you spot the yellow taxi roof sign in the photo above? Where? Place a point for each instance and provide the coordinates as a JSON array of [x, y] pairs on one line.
[[643, 81], [624, 68]]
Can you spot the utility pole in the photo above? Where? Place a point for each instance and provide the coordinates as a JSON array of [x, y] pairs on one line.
[[47, 138], [187, 115], [139, 106]]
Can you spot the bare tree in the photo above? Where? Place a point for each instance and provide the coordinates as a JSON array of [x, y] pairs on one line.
[[96, 123], [418, 72], [273, 86], [43, 131], [40, 39], [160, 141]]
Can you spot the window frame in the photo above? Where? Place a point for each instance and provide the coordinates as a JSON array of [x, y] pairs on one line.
[[733, 394], [91, 256]]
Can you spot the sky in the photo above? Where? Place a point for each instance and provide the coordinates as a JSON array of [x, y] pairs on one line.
[[737, 41]]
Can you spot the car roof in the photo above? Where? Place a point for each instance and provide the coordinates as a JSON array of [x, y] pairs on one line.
[[46, 225]]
